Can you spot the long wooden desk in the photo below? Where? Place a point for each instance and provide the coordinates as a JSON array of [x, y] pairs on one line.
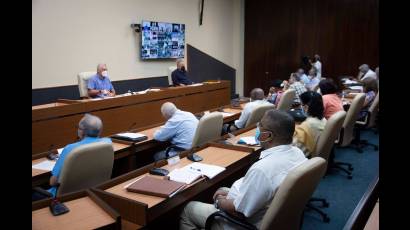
[[55, 124], [123, 149], [87, 211], [143, 209]]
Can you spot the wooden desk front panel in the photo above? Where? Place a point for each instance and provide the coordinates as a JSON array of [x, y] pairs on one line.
[[61, 130]]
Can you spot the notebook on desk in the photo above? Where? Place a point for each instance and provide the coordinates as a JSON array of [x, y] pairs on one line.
[[152, 186]]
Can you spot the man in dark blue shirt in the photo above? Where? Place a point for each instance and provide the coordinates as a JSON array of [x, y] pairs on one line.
[[179, 77]]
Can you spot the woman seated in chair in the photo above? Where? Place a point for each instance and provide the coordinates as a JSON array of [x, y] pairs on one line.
[[307, 134], [370, 89]]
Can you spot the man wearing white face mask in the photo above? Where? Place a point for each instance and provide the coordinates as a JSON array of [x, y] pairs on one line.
[[100, 85]]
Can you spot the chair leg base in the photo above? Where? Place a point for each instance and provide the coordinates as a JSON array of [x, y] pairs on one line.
[[324, 216]]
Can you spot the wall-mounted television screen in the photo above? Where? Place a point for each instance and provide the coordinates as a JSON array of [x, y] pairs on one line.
[[162, 40]]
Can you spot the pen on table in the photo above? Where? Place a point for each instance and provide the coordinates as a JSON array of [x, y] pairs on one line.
[[195, 169]]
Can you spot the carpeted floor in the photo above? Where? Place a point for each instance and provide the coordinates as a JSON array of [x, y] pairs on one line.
[[344, 194]]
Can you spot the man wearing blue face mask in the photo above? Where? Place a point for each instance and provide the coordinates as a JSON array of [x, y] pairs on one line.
[[250, 196], [100, 85]]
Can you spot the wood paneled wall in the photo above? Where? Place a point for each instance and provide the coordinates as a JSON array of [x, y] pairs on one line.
[[345, 33]]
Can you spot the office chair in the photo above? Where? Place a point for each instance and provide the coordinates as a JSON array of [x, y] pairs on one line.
[[83, 83], [286, 208], [257, 114], [346, 135], [209, 128], [369, 122], [286, 100], [323, 149], [86, 166]]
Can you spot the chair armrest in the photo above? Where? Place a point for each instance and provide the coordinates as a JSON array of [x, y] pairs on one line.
[[235, 220]]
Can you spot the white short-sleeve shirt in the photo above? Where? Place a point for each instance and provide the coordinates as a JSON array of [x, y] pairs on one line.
[[253, 193], [247, 110]]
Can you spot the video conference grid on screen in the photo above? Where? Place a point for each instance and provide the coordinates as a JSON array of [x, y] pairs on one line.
[[162, 40]]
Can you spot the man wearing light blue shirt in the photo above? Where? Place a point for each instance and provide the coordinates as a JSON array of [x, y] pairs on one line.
[[303, 76], [89, 130], [179, 129], [99, 85]]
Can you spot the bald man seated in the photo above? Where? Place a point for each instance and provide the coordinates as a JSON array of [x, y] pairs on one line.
[[365, 72], [89, 131], [179, 129], [257, 98], [99, 85]]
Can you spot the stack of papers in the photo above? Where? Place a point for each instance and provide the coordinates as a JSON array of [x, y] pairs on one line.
[[197, 84], [44, 165], [247, 140], [192, 172]]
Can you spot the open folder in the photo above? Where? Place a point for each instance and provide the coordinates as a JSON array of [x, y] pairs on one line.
[[152, 186], [133, 137], [194, 171]]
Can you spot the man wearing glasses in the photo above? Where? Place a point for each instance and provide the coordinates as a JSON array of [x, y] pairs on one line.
[[250, 196]]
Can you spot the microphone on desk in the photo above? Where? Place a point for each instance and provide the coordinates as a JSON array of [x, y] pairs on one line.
[[51, 154], [194, 157]]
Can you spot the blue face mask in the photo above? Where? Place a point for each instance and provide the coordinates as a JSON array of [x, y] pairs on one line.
[[257, 134]]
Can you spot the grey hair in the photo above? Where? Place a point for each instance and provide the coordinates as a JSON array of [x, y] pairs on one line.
[[100, 64], [281, 124], [91, 125], [257, 94], [179, 60], [365, 67], [168, 109]]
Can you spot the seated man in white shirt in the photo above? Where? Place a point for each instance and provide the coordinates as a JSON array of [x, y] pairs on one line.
[[257, 98], [250, 196], [365, 72], [179, 129]]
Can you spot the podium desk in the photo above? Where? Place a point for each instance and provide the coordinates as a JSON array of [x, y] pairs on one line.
[[55, 124]]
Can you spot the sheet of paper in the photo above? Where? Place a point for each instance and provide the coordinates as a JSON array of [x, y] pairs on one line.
[[154, 90], [350, 82], [248, 140], [357, 87], [205, 169], [131, 135], [225, 114], [197, 84], [45, 165], [59, 150], [184, 175]]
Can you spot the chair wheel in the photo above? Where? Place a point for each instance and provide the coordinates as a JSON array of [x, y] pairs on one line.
[[349, 177], [326, 219]]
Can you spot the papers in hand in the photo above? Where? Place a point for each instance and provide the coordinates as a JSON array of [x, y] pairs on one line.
[[44, 165], [192, 172], [247, 140]]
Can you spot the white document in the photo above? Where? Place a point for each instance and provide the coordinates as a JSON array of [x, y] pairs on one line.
[[248, 140], [131, 135], [224, 114], [350, 82], [357, 87], [205, 169], [154, 90], [45, 165], [184, 175], [60, 150], [197, 84]]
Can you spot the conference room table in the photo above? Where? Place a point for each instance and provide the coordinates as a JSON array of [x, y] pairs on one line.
[[54, 124], [143, 210], [133, 153]]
